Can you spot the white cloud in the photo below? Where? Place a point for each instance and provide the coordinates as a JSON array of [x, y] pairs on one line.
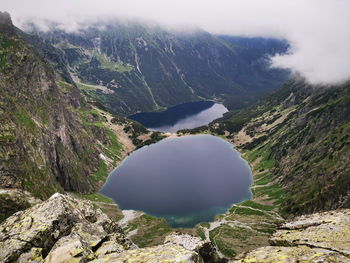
[[318, 30]]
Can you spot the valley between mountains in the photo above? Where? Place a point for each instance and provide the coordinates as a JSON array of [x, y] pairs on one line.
[[65, 99]]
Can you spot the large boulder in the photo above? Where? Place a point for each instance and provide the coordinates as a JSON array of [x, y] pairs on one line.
[[176, 248], [319, 237], [60, 229], [66, 229]]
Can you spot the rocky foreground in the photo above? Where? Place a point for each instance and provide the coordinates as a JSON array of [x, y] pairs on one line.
[[320, 237], [66, 229]]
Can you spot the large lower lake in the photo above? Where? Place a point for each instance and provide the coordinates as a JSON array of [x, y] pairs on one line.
[[185, 180], [183, 116]]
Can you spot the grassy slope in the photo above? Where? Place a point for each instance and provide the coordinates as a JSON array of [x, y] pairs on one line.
[[297, 143]]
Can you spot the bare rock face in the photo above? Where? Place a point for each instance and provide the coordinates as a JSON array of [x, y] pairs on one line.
[[60, 229], [66, 229], [320, 237], [13, 200], [205, 249], [6, 25], [293, 254], [176, 248]]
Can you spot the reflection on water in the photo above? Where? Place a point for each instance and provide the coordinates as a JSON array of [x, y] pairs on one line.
[[183, 116], [185, 180]]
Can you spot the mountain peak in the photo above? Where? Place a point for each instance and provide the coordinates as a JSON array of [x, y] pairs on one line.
[[6, 25]]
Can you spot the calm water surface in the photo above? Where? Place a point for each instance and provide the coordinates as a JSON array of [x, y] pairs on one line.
[[185, 180], [183, 116]]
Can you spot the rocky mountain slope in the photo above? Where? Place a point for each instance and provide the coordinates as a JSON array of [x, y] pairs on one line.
[[297, 144], [320, 237], [66, 229], [300, 137], [51, 138], [129, 67]]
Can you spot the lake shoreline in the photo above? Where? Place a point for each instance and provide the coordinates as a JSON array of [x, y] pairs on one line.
[[230, 158]]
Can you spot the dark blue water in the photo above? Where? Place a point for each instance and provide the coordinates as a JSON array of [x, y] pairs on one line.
[[185, 180], [183, 116]]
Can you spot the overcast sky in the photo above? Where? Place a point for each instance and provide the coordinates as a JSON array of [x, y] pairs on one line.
[[318, 30]]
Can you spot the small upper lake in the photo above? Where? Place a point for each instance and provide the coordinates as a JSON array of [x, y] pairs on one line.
[[185, 180], [183, 116]]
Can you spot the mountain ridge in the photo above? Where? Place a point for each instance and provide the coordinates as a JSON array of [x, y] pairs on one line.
[[145, 68]]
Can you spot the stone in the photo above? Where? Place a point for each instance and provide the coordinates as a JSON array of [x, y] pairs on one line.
[[61, 228], [279, 254], [329, 230], [319, 237]]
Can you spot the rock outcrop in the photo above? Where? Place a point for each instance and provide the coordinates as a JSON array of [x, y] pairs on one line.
[[66, 229], [176, 248], [13, 200], [320, 237], [58, 230]]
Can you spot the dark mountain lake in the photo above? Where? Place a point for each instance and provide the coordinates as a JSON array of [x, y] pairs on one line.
[[185, 180], [183, 116]]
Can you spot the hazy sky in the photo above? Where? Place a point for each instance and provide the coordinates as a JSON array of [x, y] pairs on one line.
[[319, 31]]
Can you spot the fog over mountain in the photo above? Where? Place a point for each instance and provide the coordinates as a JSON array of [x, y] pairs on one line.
[[318, 31]]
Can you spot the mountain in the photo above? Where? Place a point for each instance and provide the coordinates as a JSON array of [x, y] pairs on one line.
[[59, 95], [66, 229], [130, 67], [51, 138], [300, 137], [296, 141]]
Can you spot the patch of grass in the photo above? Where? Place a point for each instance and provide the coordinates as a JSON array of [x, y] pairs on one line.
[[205, 224], [200, 232], [96, 197], [119, 66], [257, 205], [25, 120], [64, 86], [274, 192], [246, 211], [119, 217], [263, 152], [101, 174], [150, 229], [221, 237], [262, 179], [114, 147]]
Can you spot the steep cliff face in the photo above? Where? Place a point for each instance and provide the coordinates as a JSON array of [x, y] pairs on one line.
[[130, 67], [51, 140], [300, 137]]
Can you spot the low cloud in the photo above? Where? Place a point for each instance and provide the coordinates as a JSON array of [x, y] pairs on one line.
[[318, 30]]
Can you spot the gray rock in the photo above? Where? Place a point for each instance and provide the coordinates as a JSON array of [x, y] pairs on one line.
[[319, 237], [60, 228]]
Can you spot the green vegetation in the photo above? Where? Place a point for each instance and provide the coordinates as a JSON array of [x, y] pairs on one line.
[[200, 232], [220, 236], [26, 121], [10, 204], [65, 86], [101, 174], [262, 178], [246, 211], [114, 147], [151, 230], [264, 154], [256, 205], [96, 197], [119, 66]]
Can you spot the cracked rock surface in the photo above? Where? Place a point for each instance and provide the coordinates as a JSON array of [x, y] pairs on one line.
[[67, 229], [319, 237], [58, 230]]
